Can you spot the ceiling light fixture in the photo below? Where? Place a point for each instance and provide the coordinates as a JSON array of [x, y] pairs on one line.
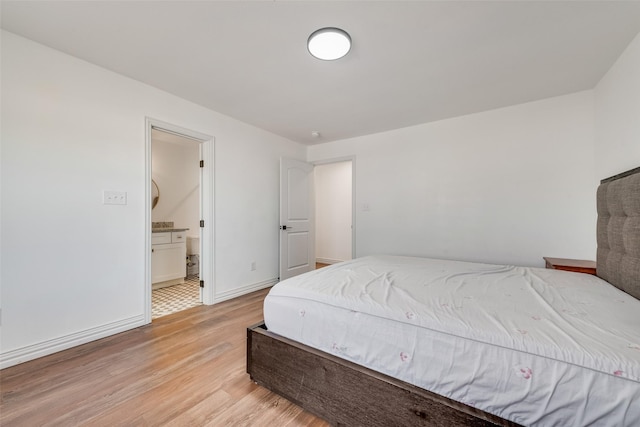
[[329, 43]]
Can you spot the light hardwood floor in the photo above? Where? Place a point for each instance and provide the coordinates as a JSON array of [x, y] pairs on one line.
[[185, 369]]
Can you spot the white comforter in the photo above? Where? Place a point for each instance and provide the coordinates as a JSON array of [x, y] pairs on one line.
[[536, 346]]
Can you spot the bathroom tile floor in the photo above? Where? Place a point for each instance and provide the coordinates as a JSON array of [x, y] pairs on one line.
[[175, 298]]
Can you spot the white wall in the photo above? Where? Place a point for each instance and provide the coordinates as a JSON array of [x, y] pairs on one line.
[[73, 268], [177, 174], [618, 115], [333, 212], [507, 186]]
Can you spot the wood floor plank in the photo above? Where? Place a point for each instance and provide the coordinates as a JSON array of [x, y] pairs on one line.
[[267, 410], [184, 369]]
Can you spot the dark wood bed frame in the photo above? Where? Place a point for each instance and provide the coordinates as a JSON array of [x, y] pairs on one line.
[[344, 393]]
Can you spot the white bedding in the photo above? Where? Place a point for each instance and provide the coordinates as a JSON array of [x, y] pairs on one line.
[[535, 346]]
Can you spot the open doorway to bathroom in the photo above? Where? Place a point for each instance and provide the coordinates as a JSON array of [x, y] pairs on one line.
[[204, 228], [175, 217]]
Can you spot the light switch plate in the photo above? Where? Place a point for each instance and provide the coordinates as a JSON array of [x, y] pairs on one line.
[[114, 197]]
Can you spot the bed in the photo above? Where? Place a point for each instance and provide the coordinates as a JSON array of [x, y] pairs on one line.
[[411, 341]]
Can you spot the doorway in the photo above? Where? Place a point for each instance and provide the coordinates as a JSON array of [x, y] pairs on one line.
[[179, 261], [333, 184], [301, 200], [175, 218]]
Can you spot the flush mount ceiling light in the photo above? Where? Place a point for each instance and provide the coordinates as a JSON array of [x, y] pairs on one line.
[[329, 43]]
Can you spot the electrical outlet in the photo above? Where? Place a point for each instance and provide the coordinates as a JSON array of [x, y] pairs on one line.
[[114, 197], [253, 266]]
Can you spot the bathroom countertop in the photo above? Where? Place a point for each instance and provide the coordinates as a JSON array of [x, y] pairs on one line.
[[167, 229]]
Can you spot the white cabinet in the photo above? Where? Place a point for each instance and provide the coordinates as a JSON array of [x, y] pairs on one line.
[[168, 258]]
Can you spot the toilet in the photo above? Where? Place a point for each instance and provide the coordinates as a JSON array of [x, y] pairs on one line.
[[193, 245], [193, 255]]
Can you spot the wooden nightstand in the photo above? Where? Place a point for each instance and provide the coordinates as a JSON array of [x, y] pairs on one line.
[[576, 265]]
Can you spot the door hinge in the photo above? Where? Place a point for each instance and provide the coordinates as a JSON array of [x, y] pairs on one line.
[[201, 163], [202, 283], [201, 223]]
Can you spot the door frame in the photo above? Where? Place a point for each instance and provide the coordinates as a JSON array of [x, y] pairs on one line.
[[207, 253], [351, 159]]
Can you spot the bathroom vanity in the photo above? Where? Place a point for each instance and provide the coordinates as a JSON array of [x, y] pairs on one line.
[[168, 256]]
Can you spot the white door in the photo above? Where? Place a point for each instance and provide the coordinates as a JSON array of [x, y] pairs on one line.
[[297, 242]]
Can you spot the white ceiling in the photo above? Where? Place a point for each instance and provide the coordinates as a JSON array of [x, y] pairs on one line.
[[411, 62]]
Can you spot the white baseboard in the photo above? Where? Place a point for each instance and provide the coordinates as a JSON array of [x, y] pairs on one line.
[[45, 348], [223, 296], [328, 260], [34, 351], [167, 283]]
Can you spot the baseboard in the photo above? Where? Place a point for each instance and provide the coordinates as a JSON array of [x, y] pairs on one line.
[[167, 283], [45, 348], [328, 260], [234, 293]]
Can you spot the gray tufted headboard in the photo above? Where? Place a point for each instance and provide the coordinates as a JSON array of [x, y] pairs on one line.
[[618, 231]]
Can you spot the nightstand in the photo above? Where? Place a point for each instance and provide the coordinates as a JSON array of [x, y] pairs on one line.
[[576, 265]]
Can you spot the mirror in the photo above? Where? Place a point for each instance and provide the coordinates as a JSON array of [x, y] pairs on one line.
[[155, 194]]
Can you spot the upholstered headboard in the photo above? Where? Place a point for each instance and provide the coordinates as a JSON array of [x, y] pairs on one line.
[[618, 231]]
